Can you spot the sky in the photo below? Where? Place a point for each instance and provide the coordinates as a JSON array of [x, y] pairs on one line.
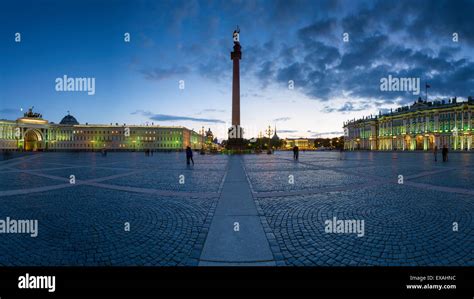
[[334, 52]]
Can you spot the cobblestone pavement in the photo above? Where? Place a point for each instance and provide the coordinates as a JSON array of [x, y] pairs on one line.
[[84, 223], [408, 224]]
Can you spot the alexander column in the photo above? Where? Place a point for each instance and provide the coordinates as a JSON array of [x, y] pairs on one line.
[[236, 132]]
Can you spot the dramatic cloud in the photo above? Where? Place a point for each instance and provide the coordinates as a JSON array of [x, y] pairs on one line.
[[402, 39], [302, 41]]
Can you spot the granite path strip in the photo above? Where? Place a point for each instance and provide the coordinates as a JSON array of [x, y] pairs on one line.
[[224, 246]]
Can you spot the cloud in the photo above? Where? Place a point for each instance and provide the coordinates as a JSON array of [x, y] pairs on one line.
[[301, 40], [167, 117], [280, 119], [266, 72], [321, 134], [215, 67], [320, 29], [286, 131], [385, 38], [213, 110], [346, 107]]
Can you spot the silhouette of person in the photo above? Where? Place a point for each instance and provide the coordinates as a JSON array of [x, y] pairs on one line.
[[295, 152], [435, 152], [189, 155], [445, 153]]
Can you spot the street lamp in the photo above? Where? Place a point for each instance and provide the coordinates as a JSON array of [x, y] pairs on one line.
[[202, 140], [269, 131]]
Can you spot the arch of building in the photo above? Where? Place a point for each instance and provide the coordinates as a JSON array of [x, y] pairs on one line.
[[32, 140]]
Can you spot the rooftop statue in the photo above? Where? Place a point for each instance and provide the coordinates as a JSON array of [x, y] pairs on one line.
[[235, 35], [32, 114]]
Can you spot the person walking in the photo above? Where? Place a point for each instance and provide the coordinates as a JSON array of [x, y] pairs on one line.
[[189, 155], [295, 152], [435, 152], [444, 152]]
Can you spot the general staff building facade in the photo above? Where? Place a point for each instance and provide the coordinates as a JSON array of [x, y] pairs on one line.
[[33, 133]]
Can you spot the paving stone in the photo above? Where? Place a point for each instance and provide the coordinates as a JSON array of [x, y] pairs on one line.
[[409, 224]]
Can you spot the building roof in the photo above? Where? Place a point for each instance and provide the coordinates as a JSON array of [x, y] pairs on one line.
[[69, 120], [209, 133], [275, 136], [417, 106]]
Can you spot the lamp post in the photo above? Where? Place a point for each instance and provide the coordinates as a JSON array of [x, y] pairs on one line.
[[260, 141], [269, 131], [202, 140]]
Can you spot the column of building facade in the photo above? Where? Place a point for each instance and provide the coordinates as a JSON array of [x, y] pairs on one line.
[[469, 126]]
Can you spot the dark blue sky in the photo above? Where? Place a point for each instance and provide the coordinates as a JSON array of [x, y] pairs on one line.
[[137, 82]]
